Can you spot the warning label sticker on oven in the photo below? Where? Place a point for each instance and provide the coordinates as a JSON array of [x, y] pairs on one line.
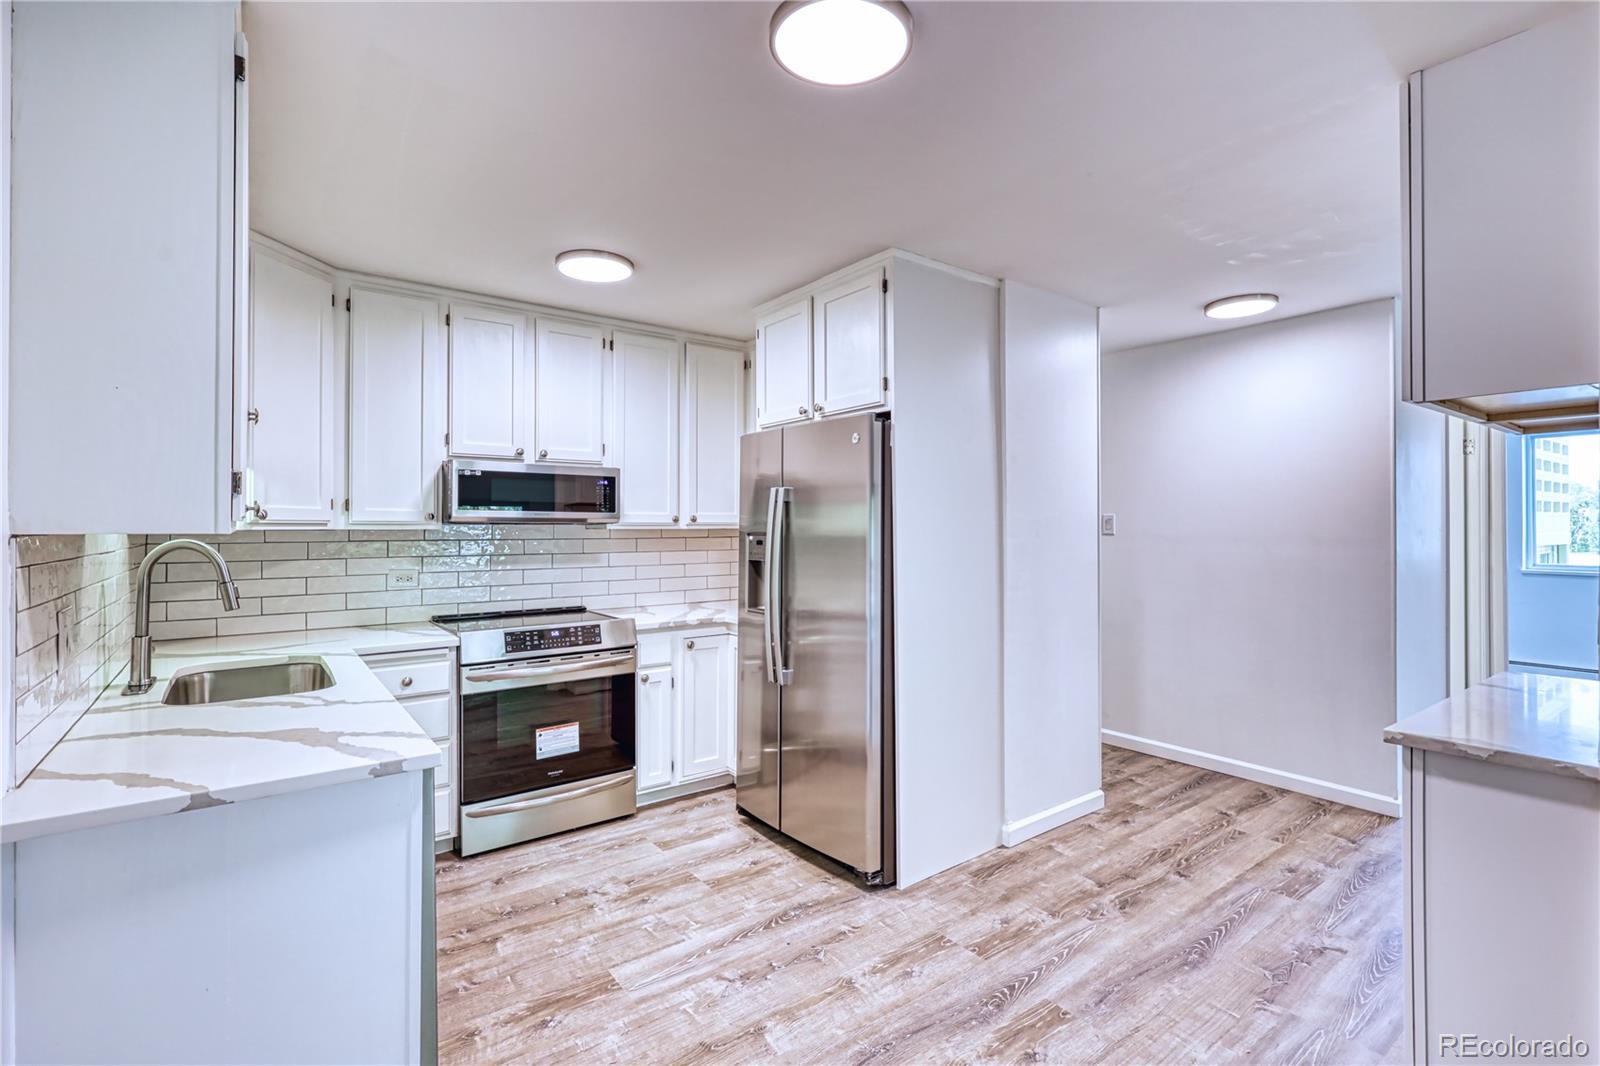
[[555, 740]]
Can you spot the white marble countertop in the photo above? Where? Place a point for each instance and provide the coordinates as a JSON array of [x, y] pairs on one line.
[[1536, 721], [133, 757], [677, 616]]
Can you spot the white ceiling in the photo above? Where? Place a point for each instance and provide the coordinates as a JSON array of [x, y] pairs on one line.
[[1143, 157]]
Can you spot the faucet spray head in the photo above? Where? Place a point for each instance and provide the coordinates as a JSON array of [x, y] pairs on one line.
[[228, 593]]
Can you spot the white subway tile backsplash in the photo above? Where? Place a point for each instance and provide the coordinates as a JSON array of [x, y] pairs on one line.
[[342, 577], [73, 620]]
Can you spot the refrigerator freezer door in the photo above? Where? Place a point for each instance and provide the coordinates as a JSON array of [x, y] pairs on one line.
[[756, 767], [832, 752]]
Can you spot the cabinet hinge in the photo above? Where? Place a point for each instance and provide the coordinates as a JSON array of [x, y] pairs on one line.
[[347, 505], [885, 284], [347, 303], [238, 68], [747, 364], [447, 440], [447, 318], [237, 482], [333, 301], [885, 384], [602, 447], [1469, 446]]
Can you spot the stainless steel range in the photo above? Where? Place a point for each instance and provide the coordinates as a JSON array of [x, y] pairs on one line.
[[546, 723]]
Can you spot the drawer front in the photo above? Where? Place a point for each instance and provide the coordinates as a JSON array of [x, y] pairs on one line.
[[432, 714], [412, 676], [655, 649], [444, 813]]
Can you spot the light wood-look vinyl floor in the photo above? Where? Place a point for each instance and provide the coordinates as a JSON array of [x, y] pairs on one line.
[[1198, 918]]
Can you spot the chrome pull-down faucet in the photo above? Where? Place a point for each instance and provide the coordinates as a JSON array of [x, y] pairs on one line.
[[139, 679]]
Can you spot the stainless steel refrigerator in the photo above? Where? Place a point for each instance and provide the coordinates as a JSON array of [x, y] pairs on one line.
[[816, 659]]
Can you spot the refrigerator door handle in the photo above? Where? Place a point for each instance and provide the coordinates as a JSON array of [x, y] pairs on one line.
[[769, 608], [778, 669]]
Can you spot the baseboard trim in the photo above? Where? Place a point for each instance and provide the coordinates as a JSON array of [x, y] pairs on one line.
[[1266, 775], [687, 788], [1014, 833]]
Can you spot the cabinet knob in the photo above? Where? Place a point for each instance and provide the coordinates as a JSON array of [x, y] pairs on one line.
[[644, 679], [804, 411], [405, 682], [544, 454], [817, 410], [674, 518], [430, 516], [694, 518], [688, 644], [519, 451], [259, 511]]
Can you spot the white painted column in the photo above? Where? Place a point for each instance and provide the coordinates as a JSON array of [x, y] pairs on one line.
[[1051, 560]]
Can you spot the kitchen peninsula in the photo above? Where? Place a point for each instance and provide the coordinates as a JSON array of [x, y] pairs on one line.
[[197, 864], [1502, 852]]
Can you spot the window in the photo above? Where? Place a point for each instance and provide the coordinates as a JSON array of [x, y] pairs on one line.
[[1561, 515]]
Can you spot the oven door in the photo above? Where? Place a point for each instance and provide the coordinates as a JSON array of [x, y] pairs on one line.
[[537, 723], [529, 492]]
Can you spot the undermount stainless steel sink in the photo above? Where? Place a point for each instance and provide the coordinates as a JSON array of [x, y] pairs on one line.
[[229, 683]]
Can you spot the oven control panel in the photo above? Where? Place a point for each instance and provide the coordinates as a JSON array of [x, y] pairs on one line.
[[522, 640]]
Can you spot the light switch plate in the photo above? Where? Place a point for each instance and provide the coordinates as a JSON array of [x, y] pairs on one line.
[[1108, 525], [402, 579]]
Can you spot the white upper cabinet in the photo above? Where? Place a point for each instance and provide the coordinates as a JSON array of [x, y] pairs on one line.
[[294, 449], [397, 392], [490, 406], [1503, 207], [128, 175], [783, 365], [653, 730], [705, 671], [713, 419], [645, 401], [569, 385], [848, 338]]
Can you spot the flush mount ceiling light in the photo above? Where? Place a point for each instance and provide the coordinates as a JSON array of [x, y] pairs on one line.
[[1250, 303], [841, 42], [591, 264]]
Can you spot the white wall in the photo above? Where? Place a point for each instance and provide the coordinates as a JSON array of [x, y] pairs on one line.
[[1248, 598], [1050, 430], [947, 537]]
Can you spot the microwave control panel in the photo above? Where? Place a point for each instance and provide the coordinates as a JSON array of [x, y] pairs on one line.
[[523, 640]]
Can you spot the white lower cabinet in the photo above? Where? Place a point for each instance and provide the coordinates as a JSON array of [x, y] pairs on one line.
[[706, 701], [653, 735], [423, 682], [685, 712]]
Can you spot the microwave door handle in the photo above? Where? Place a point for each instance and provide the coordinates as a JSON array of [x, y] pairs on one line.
[[779, 536]]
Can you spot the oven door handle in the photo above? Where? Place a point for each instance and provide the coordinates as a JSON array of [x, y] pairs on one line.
[[497, 677], [604, 785]]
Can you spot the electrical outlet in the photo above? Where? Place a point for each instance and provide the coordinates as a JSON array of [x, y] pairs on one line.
[[1108, 525], [402, 579]]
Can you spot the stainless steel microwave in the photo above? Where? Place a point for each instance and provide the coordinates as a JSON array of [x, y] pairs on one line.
[[481, 491]]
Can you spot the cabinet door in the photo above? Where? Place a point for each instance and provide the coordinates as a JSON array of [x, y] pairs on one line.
[[704, 706], [645, 400], [783, 365], [713, 418], [848, 365], [397, 388], [1508, 209], [652, 744], [489, 409], [570, 389], [292, 440]]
